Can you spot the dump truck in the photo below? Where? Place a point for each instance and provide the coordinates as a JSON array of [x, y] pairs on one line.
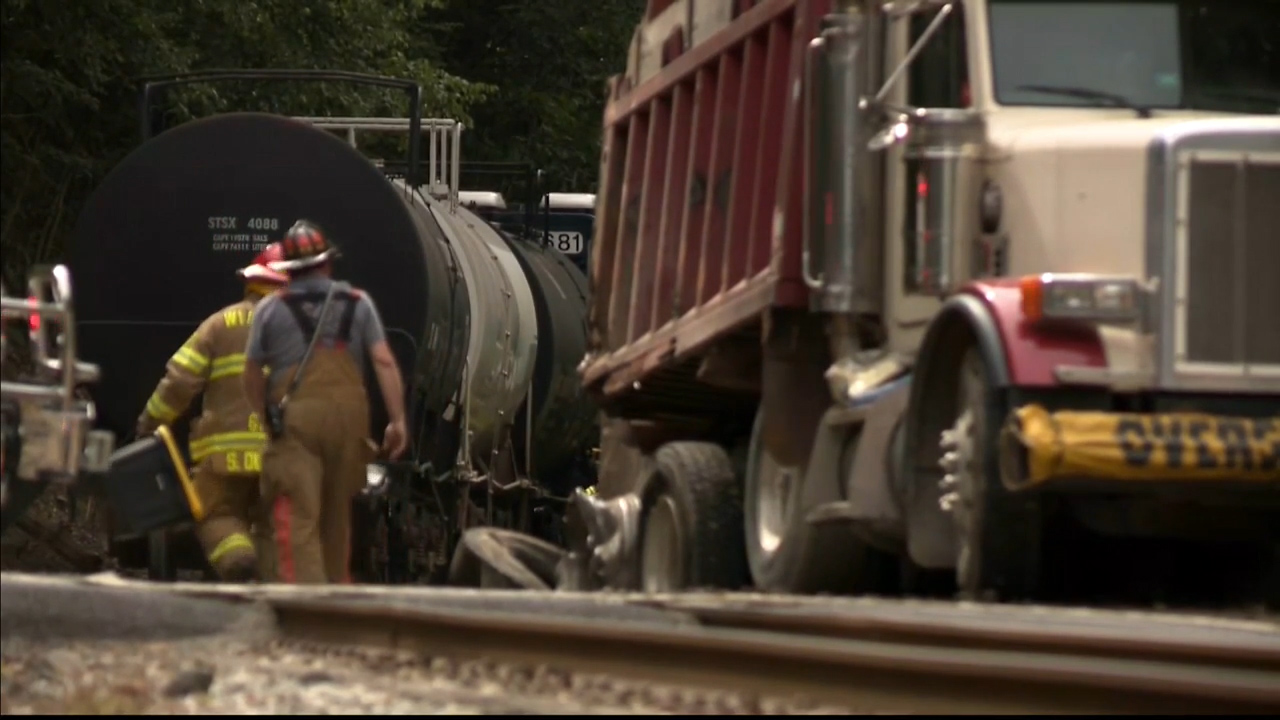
[[893, 290]]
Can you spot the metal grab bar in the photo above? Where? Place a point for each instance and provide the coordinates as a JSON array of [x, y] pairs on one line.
[[57, 440], [444, 145]]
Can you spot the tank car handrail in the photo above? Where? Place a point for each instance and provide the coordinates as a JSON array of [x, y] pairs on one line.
[[379, 123], [439, 132], [413, 89]]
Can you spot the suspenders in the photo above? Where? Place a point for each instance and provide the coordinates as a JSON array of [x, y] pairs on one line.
[[295, 301]]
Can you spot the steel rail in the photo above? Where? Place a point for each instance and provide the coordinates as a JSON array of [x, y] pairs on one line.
[[898, 674], [1146, 642]]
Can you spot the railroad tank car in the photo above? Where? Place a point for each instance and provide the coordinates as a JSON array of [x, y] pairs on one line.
[[487, 327], [564, 221]]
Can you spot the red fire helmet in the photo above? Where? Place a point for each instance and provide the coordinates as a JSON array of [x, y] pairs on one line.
[[260, 269]]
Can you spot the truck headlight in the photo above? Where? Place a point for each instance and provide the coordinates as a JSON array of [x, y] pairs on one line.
[[1081, 297]]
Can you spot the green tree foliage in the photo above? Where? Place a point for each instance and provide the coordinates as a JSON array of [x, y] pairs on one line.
[[65, 108], [550, 61], [526, 77], [69, 88]]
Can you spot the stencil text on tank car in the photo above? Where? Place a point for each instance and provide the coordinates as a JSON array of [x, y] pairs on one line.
[[253, 235]]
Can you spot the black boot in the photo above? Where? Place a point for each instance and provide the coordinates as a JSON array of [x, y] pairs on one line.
[[240, 570]]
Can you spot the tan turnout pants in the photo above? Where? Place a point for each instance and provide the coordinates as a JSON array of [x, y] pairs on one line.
[[235, 532], [312, 473]]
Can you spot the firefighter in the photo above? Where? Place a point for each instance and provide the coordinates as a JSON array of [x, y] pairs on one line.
[[227, 439], [314, 464]]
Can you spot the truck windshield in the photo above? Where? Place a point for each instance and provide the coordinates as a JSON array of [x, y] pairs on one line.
[[1217, 55]]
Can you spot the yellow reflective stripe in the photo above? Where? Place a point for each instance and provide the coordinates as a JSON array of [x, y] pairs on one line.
[[160, 410], [226, 442], [228, 366], [189, 359], [199, 455], [234, 541], [241, 436]]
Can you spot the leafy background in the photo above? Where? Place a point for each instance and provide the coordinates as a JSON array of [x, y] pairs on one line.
[[526, 76]]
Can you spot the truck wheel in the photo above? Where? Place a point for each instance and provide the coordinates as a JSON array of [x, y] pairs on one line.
[[787, 554], [691, 532], [997, 533]]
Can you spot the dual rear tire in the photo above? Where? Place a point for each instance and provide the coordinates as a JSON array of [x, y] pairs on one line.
[[700, 530], [691, 528]]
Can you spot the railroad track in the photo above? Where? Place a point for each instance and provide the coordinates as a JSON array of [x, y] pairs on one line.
[[900, 668], [857, 655]]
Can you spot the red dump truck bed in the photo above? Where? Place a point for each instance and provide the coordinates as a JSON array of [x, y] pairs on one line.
[[698, 216]]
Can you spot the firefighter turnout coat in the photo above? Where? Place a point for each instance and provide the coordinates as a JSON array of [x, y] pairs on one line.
[[227, 436], [226, 440]]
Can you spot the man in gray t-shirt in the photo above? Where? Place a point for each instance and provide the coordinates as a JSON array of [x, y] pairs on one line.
[[277, 340], [315, 460]]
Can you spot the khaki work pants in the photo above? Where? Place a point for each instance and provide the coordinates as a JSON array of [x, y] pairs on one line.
[[235, 532], [312, 473]]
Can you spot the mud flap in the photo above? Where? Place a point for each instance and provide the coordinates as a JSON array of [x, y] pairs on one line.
[[821, 552], [873, 489]]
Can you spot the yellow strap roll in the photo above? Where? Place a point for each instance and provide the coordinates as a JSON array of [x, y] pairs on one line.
[[232, 542], [1137, 446]]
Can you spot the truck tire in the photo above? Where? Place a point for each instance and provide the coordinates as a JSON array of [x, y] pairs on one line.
[[998, 533], [787, 554], [691, 531]]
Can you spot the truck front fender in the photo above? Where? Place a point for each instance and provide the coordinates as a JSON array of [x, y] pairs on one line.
[[1017, 353], [1031, 352]]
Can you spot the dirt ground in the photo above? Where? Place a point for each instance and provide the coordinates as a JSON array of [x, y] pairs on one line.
[[51, 537]]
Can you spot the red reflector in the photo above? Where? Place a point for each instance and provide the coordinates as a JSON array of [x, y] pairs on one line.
[[922, 186], [34, 322]]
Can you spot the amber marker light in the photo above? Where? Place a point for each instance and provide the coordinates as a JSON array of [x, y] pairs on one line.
[[1032, 287], [1084, 297]]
